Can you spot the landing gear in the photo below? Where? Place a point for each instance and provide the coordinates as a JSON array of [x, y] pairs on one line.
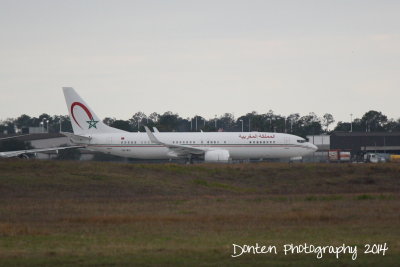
[[25, 156], [189, 160]]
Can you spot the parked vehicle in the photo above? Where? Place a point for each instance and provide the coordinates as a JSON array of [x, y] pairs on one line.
[[339, 156], [374, 158]]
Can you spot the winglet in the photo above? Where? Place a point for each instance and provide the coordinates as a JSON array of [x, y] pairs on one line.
[[155, 130], [152, 138]]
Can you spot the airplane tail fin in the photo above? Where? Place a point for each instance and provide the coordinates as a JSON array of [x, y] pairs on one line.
[[83, 119]]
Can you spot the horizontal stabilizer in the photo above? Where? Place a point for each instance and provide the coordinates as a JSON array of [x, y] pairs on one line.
[[77, 139]]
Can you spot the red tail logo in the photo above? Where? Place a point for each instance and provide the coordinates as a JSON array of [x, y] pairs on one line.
[[91, 122]]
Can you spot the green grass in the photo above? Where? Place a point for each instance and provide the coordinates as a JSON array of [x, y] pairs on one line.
[[55, 213]]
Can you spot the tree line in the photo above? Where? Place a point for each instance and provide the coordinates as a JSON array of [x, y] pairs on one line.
[[310, 124]]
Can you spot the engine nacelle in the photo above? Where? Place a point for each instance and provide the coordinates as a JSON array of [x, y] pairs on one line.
[[216, 156]]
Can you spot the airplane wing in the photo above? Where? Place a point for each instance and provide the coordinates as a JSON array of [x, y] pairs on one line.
[[13, 154], [175, 149], [15, 136]]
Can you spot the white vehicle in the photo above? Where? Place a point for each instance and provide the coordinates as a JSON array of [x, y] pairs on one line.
[[91, 132], [373, 158]]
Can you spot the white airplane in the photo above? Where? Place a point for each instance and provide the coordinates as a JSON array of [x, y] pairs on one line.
[[91, 132], [26, 153], [12, 137]]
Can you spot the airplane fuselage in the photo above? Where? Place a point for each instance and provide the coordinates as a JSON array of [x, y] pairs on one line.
[[240, 145]]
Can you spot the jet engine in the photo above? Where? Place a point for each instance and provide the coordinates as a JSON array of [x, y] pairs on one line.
[[216, 156]]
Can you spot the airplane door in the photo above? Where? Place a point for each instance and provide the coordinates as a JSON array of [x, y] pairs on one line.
[[286, 141], [109, 142]]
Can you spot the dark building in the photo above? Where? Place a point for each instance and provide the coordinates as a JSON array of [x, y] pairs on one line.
[[359, 143]]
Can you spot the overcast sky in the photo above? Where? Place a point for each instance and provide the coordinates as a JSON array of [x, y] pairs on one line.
[[201, 57]]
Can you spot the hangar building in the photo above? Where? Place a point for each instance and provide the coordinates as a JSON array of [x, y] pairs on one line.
[[359, 143]]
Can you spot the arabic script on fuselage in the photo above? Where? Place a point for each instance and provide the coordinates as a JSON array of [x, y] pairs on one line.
[[256, 135]]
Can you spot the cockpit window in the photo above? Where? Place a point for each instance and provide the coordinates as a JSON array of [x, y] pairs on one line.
[[301, 141]]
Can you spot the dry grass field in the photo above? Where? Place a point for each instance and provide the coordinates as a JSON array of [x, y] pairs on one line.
[[55, 213]]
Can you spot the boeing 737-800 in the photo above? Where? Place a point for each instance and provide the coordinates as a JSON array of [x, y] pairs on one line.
[[91, 132]]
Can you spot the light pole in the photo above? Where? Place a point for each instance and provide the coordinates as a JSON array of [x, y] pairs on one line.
[[242, 125], [42, 126], [138, 124], [351, 122], [196, 123], [291, 126], [215, 122], [47, 126], [285, 124], [249, 124], [270, 123]]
